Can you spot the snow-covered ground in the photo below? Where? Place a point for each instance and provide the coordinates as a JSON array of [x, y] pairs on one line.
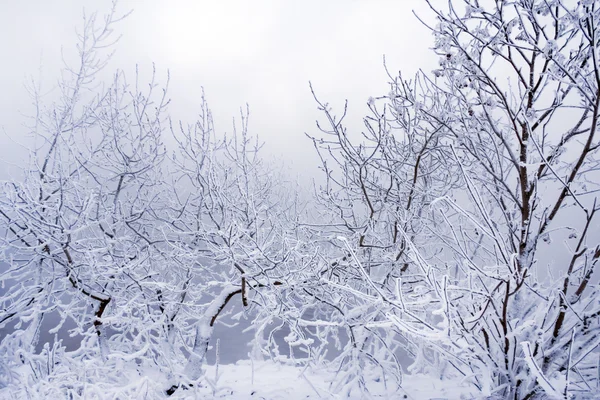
[[266, 380], [244, 380]]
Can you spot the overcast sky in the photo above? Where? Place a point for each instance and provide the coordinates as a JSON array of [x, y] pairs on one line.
[[262, 53]]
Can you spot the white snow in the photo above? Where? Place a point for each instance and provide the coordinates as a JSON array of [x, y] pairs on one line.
[[266, 380]]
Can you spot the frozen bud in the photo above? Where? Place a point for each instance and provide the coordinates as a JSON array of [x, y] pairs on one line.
[[573, 298], [546, 238], [521, 36], [531, 114], [550, 48], [468, 11]]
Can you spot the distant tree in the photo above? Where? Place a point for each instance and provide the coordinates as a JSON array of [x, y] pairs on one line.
[[451, 198]]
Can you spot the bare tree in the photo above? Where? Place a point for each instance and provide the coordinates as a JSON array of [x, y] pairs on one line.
[[432, 238], [81, 238], [378, 191], [232, 216], [141, 250], [504, 154]]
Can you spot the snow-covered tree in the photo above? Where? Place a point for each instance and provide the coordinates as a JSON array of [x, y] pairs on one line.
[[82, 242], [139, 245], [233, 217], [469, 202], [458, 229]]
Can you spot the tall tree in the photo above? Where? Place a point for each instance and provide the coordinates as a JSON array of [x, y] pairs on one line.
[[463, 179]]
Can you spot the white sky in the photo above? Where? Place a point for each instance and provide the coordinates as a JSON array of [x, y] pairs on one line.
[[258, 52]]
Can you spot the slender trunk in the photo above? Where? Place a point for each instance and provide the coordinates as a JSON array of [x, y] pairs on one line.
[[204, 331]]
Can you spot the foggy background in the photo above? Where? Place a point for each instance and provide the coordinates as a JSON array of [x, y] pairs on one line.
[[259, 52]]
